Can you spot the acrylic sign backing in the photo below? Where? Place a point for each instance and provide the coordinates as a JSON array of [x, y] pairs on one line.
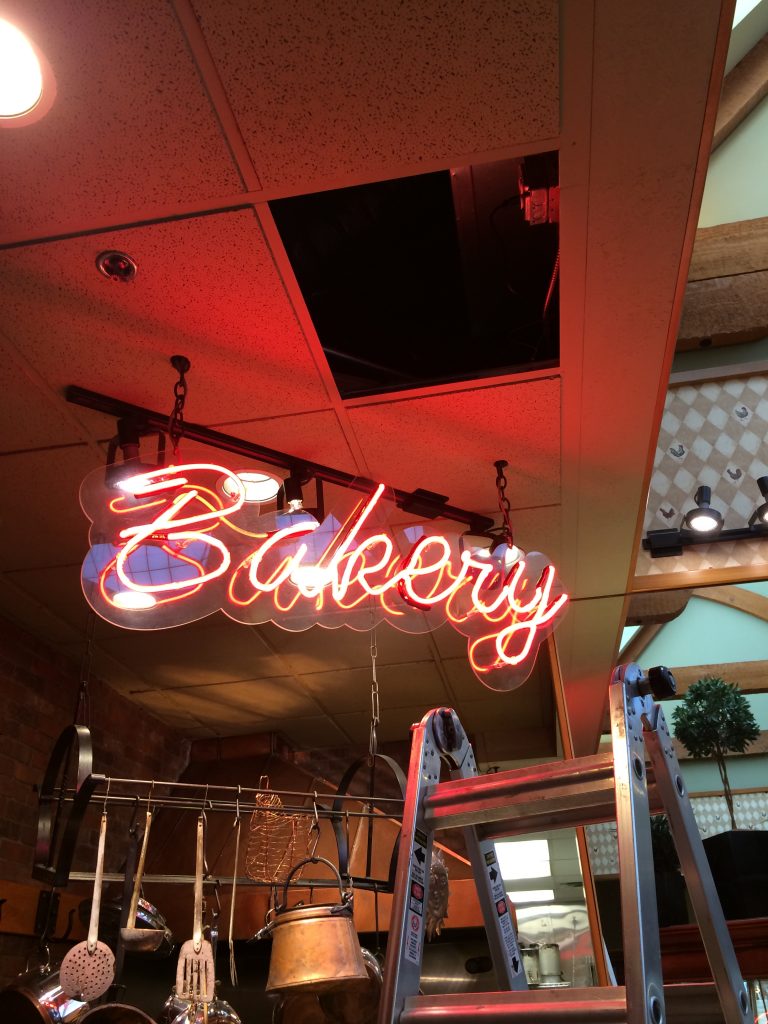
[[173, 545]]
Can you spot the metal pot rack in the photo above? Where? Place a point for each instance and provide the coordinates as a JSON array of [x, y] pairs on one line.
[[64, 799]]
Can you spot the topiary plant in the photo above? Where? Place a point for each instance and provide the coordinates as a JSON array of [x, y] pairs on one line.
[[713, 720]]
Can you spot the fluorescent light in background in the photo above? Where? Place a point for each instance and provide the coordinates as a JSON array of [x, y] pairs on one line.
[[526, 858], [531, 896]]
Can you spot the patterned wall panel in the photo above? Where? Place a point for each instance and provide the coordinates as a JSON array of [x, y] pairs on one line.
[[713, 433], [711, 813]]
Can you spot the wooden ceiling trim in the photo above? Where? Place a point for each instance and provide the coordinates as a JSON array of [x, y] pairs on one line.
[[751, 676], [725, 310], [744, 87], [726, 250], [735, 597]]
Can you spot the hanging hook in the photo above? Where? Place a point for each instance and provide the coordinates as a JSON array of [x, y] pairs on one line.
[[149, 795], [106, 795], [315, 826], [237, 804]]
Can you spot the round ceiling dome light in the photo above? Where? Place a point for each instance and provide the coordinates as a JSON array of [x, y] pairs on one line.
[[26, 81], [258, 486]]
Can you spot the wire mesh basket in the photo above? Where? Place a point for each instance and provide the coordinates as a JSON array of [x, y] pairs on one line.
[[276, 838]]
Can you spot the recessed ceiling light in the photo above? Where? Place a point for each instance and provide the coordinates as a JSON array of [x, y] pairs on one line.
[[523, 858], [26, 81]]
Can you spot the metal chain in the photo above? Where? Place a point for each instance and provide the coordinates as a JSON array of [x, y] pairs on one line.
[[83, 705], [176, 419], [504, 507], [373, 742]]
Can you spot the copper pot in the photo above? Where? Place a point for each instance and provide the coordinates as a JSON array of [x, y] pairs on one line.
[[315, 947]]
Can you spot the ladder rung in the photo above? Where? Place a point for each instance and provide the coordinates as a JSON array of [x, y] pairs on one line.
[[537, 1006], [685, 1004], [575, 792]]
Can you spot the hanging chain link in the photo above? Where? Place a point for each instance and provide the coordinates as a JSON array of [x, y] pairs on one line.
[[504, 507], [176, 419], [373, 742], [83, 705]]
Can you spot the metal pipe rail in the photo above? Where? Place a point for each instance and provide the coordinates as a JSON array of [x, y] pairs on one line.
[[579, 791], [232, 806], [537, 1006]]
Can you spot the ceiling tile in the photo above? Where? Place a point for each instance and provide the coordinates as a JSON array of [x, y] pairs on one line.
[[206, 287], [131, 124], [308, 733], [315, 436], [42, 520], [395, 725], [256, 699], [319, 649], [211, 651], [350, 690], [448, 443], [349, 90]]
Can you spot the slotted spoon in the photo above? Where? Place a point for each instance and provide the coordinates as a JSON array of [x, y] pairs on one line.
[[195, 971], [88, 969]]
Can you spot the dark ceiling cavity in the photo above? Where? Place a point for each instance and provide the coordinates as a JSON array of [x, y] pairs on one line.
[[429, 279]]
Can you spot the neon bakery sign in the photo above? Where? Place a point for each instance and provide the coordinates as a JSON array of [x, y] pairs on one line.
[[173, 545]]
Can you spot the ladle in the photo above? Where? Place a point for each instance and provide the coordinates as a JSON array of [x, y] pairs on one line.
[[141, 940]]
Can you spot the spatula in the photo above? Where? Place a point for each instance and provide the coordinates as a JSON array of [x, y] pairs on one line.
[[88, 969], [195, 972]]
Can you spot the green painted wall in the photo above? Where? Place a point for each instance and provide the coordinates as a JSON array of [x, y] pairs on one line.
[[708, 634], [737, 179]]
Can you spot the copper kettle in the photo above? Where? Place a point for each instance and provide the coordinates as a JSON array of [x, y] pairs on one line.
[[314, 947]]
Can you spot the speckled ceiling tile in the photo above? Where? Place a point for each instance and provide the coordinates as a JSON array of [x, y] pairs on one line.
[[206, 287], [131, 124], [449, 442], [349, 89]]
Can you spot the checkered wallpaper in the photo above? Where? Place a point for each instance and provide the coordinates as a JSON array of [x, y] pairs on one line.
[[715, 433], [711, 813]]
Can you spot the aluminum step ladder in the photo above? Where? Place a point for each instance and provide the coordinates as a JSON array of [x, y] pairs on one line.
[[583, 791]]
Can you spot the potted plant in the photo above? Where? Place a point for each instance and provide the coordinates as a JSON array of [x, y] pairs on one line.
[[714, 720], [670, 887]]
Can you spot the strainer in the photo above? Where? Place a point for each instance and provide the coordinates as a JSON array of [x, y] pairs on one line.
[[88, 969]]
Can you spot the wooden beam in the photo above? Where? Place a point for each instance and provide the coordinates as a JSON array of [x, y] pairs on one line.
[[726, 250], [744, 87], [725, 311], [657, 606], [751, 676], [735, 597]]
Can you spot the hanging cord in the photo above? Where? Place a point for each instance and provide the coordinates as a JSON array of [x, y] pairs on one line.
[[176, 419], [83, 706], [504, 507], [232, 965], [552, 282]]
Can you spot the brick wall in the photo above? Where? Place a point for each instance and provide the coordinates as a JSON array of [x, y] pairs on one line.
[[38, 692]]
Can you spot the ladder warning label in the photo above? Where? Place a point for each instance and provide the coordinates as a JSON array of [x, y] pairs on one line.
[[413, 939], [419, 856], [499, 897], [417, 898]]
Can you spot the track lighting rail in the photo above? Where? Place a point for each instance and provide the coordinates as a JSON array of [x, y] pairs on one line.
[[423, 503]]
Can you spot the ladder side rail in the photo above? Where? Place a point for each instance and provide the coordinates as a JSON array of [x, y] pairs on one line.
[[640, 926], [497, 918], [405, 943], [695, 867]]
